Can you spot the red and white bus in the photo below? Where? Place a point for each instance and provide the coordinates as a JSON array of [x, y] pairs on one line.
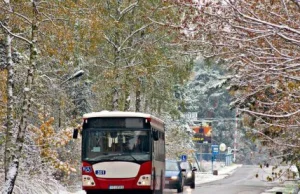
[[122, 151]]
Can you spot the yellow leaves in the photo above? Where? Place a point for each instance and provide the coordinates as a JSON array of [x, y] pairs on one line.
[[275, 129], [293, 86], [51, 51], [141, 71], [109, 74], [3, 94], [47, 129], [49, 140], [3, 79], [261, 42]]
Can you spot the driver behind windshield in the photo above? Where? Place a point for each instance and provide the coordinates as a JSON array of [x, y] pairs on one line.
[[107, 143]]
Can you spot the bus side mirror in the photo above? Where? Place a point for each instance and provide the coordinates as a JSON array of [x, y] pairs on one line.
[[75, 133], [155, 135]]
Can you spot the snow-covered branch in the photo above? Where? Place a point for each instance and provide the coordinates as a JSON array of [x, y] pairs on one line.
[[15, 35], [269, 115]]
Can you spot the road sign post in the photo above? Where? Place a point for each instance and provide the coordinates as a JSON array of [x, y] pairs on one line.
[[214, 152]]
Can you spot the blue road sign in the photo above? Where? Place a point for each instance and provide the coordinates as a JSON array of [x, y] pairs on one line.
[[183, 158], [214, 149]]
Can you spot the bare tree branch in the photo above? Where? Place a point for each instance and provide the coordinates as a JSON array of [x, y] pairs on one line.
[[15, 35]]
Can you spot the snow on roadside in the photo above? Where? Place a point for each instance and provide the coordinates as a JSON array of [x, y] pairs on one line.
[[205, 177]]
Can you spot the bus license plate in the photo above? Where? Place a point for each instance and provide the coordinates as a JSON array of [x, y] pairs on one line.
[[116, 187]]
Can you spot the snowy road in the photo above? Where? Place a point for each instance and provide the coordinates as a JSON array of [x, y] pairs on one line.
[[242, 181]]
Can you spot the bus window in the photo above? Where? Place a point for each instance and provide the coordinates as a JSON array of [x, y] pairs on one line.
[[97, 145], [139, 142], [102, 144]]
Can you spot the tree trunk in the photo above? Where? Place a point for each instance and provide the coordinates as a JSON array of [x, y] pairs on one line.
[[17, 149], [146, 105], [138, 97], [11, 178], [9, 115], [127, 100], [9, 129], [116, 63], [116, 97]]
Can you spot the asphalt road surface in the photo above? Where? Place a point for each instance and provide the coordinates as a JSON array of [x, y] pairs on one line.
[[243, 181]]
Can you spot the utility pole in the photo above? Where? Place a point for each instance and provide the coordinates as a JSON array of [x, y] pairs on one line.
[[235, 136], [74, 76]]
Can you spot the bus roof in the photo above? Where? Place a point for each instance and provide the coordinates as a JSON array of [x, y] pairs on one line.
[[120, 114]]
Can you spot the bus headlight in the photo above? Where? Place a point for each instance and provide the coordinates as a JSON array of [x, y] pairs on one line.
[[174, 177], [144, 180], [88, 181]]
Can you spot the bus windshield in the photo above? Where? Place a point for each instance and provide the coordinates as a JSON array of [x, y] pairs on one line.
[[123, 145]]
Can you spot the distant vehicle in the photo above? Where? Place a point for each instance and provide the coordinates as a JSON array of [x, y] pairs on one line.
[[174, 178], [189, 173], [122, 151]]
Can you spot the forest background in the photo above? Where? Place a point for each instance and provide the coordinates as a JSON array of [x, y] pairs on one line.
[[60, 59]]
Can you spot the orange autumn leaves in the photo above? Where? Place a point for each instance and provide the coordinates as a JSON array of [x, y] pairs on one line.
[[49, 141], [3, 97]]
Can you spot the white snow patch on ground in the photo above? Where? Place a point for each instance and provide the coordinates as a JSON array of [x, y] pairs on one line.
[[205, 177]]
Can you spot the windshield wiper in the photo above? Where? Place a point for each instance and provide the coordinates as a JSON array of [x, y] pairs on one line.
[[130, 156], [118, 156], [107, 156]]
